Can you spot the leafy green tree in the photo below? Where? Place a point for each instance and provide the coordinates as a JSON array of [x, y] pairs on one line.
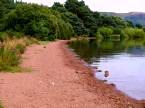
[[84, 13], [38, 21], [133, 33], [77, 23], [113, 21], [138, 26], [59, 7], [59, 21], [72, 6], [130, 24], [105, 32], [5, 6]]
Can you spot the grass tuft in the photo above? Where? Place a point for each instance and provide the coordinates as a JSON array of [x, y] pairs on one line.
[[10, 53], [1, 105]]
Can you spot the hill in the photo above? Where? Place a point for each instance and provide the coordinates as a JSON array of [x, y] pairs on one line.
[[135, 17]]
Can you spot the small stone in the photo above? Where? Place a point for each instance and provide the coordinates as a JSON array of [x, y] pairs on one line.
[[76, 72], [106, 74], [95, 67], [99, 70], [113, 85], [44, 46]]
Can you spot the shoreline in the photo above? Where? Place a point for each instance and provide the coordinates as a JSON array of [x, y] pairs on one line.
[[59, 79], [94, 85]]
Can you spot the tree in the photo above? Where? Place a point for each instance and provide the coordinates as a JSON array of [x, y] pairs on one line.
[[5, 6], [138, 26], [84, 13], [105, 32], [72, 6], [38, 21], [77, 23], [59, 7]]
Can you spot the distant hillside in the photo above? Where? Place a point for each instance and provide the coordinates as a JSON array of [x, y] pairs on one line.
[[135, 17]]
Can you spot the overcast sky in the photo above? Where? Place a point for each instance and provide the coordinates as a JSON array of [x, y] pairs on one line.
[[120, 6]]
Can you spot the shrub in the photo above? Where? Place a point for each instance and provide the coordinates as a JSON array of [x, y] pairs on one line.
[[123, 35], [10, 53], [139, 33], [37, 21], [12, 33], [105, 32], [143, 29], [3, 36], [134, 33], [116, 30], [8, 58]]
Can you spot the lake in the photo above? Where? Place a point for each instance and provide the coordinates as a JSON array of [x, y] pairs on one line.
[[124, 59]]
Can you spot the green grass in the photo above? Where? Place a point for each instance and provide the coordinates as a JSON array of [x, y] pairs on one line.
[[1, 105], [16, 69], [10, 54]]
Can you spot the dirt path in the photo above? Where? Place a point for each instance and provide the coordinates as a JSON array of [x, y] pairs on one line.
[[58, 80]]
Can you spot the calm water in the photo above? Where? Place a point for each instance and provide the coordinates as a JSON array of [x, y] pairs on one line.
[[125, 61]]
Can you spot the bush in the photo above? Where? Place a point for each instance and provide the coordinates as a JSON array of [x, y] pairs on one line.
[[123, 35], [105, 32], [10, 53], [8, 58], [12, 33], [139, 33], [38, 21], [116, 30], [134, 33], [3, 36], [143, 29]]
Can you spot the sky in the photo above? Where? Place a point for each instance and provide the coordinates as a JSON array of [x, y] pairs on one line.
[[120, 6]]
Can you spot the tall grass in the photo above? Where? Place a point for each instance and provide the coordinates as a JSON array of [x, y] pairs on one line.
[[1, 105], [10, 53]]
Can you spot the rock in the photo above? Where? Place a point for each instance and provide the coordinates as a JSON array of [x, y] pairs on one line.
[[99, 70], [104, 80], [94, 67], [76, 71], [106, 74], [44, 46], [113, 85]]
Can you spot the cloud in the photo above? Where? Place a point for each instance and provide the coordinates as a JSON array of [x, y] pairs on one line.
[[117, 5], [104, 5]]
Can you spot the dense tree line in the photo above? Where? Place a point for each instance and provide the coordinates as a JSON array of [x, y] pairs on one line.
[[74, 18], [5, 7], [37, 21]]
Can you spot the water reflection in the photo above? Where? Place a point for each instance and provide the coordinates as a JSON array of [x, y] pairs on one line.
[[124, 60]]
